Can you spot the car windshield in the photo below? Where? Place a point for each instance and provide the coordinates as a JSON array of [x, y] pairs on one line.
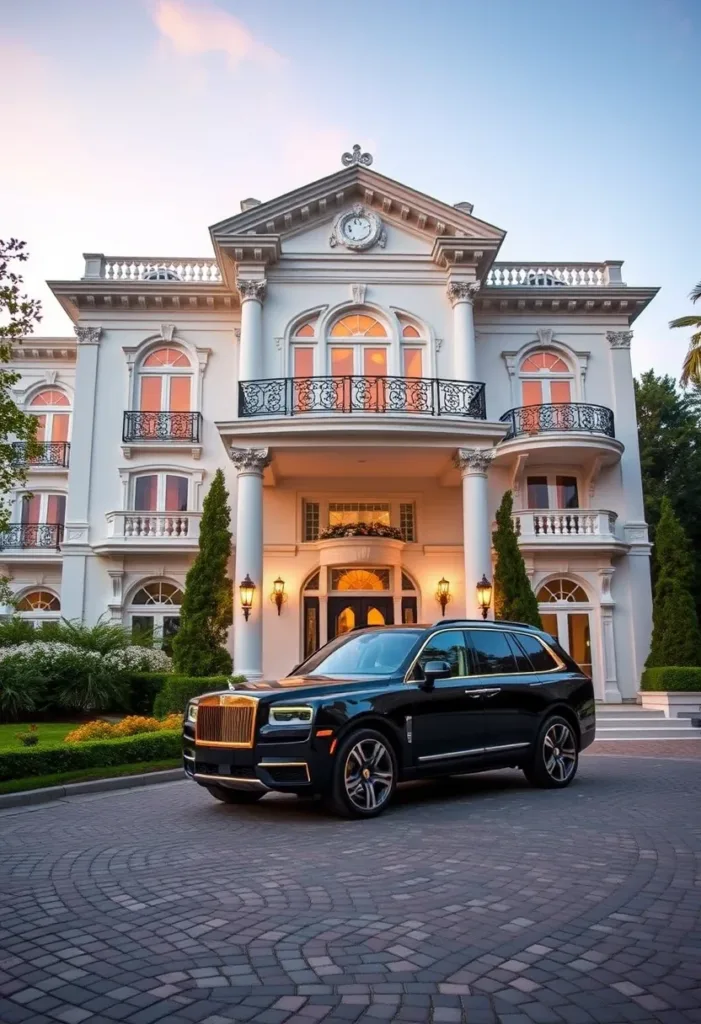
[[362, 654]]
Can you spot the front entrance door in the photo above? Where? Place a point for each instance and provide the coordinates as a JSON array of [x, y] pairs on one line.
[[346, 613], [573, 631]]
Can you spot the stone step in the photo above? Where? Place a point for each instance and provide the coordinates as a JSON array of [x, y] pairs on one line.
[[664, 731]]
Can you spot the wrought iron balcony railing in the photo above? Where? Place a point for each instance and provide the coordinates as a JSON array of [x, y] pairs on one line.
[[162, 426], [560, 416], [32, 535], [46, 453], [296, 396]]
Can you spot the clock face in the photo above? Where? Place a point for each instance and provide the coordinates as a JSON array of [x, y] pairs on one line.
[[357, 227]]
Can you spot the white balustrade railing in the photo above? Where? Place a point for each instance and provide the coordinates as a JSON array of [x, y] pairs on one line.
[[166, 526], [151, 269], [563, 525], [555, 275]]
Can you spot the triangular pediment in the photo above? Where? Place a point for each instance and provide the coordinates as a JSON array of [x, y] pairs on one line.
[[255, 234]]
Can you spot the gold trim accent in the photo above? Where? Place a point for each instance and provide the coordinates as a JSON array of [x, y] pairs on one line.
[[227, 700], [559, 663], [285, 764]]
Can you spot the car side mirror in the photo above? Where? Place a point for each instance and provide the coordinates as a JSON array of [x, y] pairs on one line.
[[433, 670]]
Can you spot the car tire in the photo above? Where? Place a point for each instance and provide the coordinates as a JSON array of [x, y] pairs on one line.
[[353, 793], [556, 756], [234, 796]]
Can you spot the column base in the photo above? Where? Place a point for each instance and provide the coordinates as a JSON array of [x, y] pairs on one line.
[[612, 695]]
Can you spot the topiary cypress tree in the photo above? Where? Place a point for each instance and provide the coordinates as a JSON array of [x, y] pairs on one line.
[[676, 637], [513, 596], [207, 608]]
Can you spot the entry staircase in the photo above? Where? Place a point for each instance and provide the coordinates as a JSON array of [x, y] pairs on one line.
[[631, 722]]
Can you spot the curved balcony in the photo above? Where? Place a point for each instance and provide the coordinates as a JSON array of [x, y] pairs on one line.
[[558, 417], [47, 536], [302, 396], [53, 454], [553, 530]]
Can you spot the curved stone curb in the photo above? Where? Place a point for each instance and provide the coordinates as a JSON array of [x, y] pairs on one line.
[[41, 796]]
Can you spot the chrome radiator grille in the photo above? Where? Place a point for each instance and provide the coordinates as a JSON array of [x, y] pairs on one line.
[[229, 725]]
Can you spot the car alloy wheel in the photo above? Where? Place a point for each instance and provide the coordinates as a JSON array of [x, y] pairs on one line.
[[559, 752], [368, 774]]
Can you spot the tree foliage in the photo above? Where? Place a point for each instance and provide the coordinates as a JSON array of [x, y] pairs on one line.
[[669, 435], [18, 315], [691, 367], [676, 637], [207, 608], [513, 595]]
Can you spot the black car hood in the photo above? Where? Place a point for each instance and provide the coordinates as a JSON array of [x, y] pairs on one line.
[[309, 686]]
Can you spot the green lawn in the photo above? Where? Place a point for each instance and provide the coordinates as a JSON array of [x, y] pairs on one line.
[[62, 778], [49, 733]]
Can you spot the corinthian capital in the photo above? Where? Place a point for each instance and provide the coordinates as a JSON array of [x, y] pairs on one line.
[[473, 460], [619, 339], [251, 459], [251, 289], [87, 335], [462, 291]]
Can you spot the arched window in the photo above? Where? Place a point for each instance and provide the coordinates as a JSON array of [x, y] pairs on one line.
[[161, 274], [562, 590], [154, 612], [39, 606], [165, 381], [413, 352], [51, 409], [302, 351], [545, 379]]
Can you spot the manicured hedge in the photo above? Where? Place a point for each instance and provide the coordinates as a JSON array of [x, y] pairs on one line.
[[66, 757], [178, 690], [143, 688], [677, 678]]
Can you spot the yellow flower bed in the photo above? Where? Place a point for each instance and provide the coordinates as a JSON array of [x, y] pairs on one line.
[[129, 726]]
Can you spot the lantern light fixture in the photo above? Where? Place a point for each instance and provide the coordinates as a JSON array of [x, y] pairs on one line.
[[247, 589], [278, 595], [484, 595], [443, 595]]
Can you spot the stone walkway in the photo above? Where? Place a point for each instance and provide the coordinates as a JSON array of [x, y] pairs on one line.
[[481, 901]]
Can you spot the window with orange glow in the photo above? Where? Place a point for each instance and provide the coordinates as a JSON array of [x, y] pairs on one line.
[[166, 357], [545, 379], [50, 397], [305, 330], [358, 325], [53, 425]]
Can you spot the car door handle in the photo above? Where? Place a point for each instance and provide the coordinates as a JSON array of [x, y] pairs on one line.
[[483, 693]]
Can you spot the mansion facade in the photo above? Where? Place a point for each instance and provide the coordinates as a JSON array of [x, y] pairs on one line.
[[352, 353]]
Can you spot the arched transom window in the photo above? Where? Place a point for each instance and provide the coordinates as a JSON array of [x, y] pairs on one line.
[[39, 601], [165, 381], [545, 379], [562, 590], [51, 409]]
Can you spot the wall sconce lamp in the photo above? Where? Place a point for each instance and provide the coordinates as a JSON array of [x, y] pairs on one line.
[[278, 596], [484, 595], [247, 589], [443, 595]]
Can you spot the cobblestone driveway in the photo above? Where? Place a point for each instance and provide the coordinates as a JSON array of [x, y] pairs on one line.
[[496, 903]]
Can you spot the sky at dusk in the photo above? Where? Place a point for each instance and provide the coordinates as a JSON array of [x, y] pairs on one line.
[[128, 128]]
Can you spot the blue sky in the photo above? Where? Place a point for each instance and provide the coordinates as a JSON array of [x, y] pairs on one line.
[[573, 126]]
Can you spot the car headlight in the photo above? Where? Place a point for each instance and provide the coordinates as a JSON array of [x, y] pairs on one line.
[[192, 712], [282, 715]]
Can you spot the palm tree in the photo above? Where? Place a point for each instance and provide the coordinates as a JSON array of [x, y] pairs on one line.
[[691, 369]]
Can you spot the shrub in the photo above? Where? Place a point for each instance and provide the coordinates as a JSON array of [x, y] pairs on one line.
[[207, 609], [30, 737], [66, 757], [97, 730], [676, 678], [103, 637], [142, 688], [22, 688], [513, 595], [676, 637], [70, 677], [139, 659], [133, 725], [179, 690], [16, 631]]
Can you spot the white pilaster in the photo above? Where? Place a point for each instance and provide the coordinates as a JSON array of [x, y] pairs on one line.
[[248, 635], [75, 540], [612, 693], [462, 295], [473, 464], [252, 292]]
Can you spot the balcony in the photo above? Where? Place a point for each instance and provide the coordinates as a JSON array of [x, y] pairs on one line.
[[161, 431], [303, 396], [21, 536], [47, 454], [540, 529], [151, 531], [558, 417]]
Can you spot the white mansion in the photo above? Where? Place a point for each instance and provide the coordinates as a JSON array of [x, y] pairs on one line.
[[352, 353]]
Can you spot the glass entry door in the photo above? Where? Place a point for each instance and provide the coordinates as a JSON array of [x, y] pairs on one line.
[[573, 631], [347, 613]]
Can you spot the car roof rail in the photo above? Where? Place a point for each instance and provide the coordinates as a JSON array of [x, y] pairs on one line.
[[484, 622]]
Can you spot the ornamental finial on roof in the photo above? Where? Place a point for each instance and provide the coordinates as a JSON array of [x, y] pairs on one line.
[[356, 157]]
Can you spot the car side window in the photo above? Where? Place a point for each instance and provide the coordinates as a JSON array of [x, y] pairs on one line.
[[540, 658], [492, 652], [523, 663], [449, 646]]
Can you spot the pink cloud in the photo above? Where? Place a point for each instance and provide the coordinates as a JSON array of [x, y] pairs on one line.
[[195, 29]]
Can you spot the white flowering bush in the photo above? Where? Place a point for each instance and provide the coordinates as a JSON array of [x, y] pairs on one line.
[[140, 659]]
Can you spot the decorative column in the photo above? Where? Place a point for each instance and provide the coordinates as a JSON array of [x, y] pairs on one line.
[[473, 464], [637, 634], [462, 295], [76, 546], [248, 634], [612, 694], [252, 292]]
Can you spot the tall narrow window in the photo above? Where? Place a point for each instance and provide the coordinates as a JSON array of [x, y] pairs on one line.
[[50, 408], [160, 492]]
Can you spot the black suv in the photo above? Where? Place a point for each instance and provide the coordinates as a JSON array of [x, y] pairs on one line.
[[380, 705]]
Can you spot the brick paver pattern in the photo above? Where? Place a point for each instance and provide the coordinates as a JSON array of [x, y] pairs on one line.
[[479, 901]]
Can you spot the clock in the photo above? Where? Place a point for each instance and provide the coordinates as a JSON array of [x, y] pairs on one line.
[[358, 229]]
